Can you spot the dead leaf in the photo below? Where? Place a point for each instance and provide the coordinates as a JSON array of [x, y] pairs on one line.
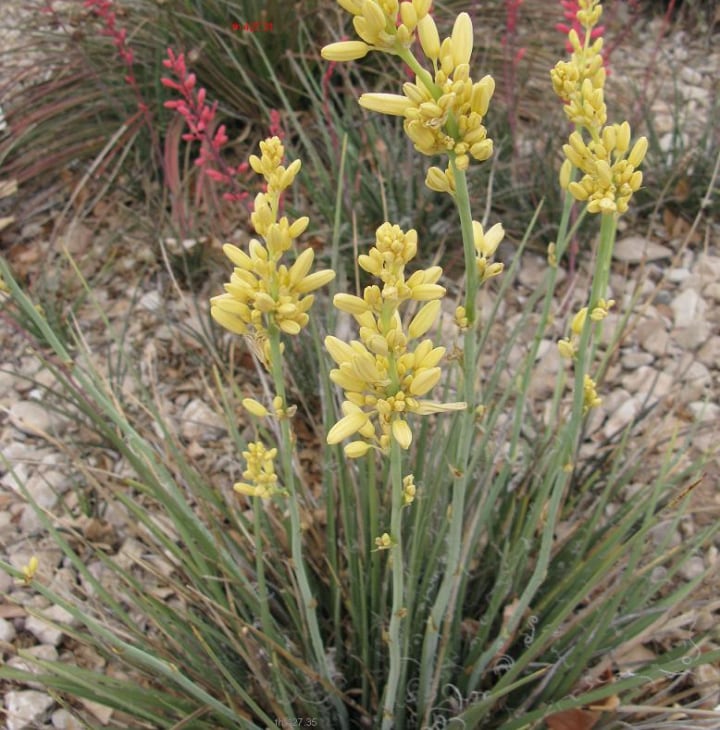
[[572, 720]]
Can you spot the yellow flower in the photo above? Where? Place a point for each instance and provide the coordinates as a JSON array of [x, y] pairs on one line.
[[485, 245], [260, 472], [262, 291], [254, 407], [610, 175], [345, 51], [30, 570], [444, 110], [409, 490], [384, 542], [590, 396], [384, 378], [602, 309]]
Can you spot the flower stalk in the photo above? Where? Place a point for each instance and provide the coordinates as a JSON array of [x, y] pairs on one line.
[[395, 640]]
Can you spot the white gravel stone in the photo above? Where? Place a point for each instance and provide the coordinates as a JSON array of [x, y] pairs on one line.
[[151, 302], [705, 412], [676, 276], [708, 266], [692, 336], [688, 307], [654, 338], [200, 422], [645, 380], [621, 417], [634, 249], [43, 630], [712, 291], [634, 360], [45, 652], [26, 709], [7, 631], [63, 720], [692, 568], [33, 418]]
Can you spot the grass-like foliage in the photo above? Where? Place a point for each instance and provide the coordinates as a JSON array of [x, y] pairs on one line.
[[414, 538]]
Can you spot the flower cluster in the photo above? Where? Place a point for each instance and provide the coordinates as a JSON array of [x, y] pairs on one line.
[[200, 119], [609, 166], [570, 11], [262, 481], [569, 347], [384, 379], [103, 9], [444, 111], [383, 25], [611, 174], [263, 293]]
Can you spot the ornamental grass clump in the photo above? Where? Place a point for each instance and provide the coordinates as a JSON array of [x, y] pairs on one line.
[[415, 538]]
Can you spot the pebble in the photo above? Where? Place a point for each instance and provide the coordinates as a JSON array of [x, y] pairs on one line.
[[653, 337], [688, 307], [7, 631], [634, 249], [634, 360], [44, 652], [692, 568], [44, 631], [621, 417], [647, 381], [63, 720], [26, 709], [693, 335], [201, 423], [705, 412], [33, 418]]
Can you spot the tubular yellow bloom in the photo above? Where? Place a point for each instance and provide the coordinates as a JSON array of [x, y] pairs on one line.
[[590, 396], [443, 115], [393, 104], [381, 375], [429, 37], [578, 321], [262, 291], [255, 407], [401, 433], [260, 472], [424, 319], [462, 39], [345, 51], [356, 449], [409, 490], [30, 569], [350, 424]]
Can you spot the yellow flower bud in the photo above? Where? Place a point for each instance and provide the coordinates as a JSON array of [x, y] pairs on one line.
[[429, 37], [347, 426], [424, 319], [393, 104], [637, 155], [565, 174], [255, 407], [342, 51], [408, 15], [356, 449], [462, 39], [578, 321], [401, 433]]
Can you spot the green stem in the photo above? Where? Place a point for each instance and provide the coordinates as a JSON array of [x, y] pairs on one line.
[[445, 601], [308, 600], [398, 591], [601, 277]]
